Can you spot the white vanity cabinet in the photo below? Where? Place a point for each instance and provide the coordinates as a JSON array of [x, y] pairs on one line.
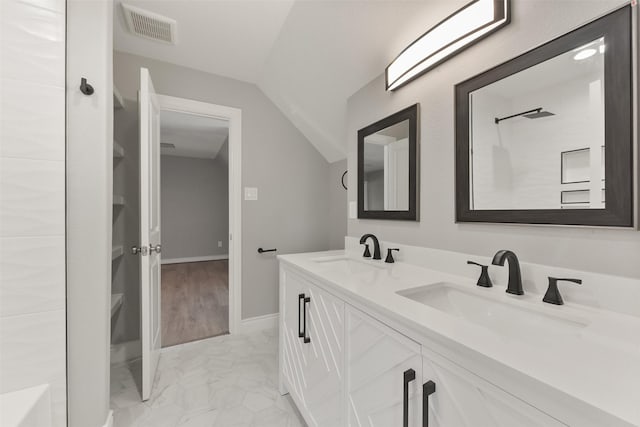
[[462, 399], [377, 361], [290, 343], [343, 367], [312, 349]]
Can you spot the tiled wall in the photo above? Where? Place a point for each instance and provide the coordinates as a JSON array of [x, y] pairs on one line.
[[32, 198]]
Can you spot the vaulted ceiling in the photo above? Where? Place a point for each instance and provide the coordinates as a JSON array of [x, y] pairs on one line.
[[307, 56]]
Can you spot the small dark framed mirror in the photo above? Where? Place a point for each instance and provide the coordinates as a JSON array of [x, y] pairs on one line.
[[546, 138], [388, 167]]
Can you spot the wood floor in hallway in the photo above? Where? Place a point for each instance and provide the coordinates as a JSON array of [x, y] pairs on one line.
[[195, 301]]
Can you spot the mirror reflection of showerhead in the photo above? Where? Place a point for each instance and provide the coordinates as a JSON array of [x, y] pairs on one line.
[[539, 114], [536, 113]]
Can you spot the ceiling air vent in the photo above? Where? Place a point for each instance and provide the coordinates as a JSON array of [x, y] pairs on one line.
[[167, 145], [150, 25]]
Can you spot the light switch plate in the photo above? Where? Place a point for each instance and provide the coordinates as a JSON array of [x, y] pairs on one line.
[[250, 193], [353, 210]]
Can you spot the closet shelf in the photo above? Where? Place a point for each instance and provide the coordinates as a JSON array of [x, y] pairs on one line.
[[118, 101], [117, 252], [116, 302], [118, 200], [118, 150]]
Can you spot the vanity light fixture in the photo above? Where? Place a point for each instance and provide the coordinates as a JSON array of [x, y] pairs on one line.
[[468, 25]]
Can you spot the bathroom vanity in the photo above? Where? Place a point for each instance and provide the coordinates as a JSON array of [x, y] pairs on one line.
[[417, 343], [545, 138]]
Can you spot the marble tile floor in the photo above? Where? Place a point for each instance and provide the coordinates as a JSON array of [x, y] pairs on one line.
[[225, 381]]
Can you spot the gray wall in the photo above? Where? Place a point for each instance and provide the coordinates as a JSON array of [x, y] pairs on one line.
[[195, 207], [337, 205], [598, 250], [291, 213]]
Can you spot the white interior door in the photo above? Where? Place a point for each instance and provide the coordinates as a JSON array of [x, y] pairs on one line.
[[149, 112]]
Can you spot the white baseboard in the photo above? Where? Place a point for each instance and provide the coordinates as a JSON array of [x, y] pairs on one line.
[[124, 351], [194, 259], [258, 323], [109, 422]]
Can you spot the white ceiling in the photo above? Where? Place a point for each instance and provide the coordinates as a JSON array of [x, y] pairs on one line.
[[556, 71], [193, 136], [307, 56], [229, 38]]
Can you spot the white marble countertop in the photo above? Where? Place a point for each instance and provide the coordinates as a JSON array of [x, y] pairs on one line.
[[598, 364]]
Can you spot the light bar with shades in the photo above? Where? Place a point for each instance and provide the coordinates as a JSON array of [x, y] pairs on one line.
[[474, 21]]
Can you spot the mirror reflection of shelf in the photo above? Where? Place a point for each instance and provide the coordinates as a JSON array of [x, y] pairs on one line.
[[575, 166], [572, 197], [117, 252], [576, 206]]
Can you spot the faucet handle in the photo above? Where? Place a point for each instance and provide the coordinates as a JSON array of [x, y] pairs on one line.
[[389, 259], [553, 294], [484, 280], [367, 253]]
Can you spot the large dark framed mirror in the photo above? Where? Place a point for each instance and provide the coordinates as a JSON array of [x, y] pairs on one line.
[[388, 167], [546, 138]]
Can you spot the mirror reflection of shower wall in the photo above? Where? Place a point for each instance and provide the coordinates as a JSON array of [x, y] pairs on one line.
[[537, 136], [386, 169]]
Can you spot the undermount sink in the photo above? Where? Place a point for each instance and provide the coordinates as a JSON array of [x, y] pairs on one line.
[[513, 319], [346, 265]]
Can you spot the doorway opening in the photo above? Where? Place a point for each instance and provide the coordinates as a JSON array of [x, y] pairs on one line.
[[200, 296], [194, 195], [230, 154]]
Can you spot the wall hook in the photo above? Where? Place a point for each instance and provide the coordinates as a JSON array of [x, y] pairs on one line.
[[342, 179], [85, 87]]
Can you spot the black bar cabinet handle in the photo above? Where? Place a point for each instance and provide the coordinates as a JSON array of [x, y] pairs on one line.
[[300, 333], [428, 389], [261, 251], [409, 375], [304, 313]]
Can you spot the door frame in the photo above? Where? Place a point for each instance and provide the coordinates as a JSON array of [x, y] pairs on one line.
[[234, 117]]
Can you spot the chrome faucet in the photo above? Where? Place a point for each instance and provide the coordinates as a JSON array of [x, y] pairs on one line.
[[376, 246], [515, 278]]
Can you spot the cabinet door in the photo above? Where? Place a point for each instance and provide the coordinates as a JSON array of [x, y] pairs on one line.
[[313, 365], [462, 399], [377, 359], [291, 351], [323, 361]]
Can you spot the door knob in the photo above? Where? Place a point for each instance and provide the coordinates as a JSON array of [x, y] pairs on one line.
[[157, 248], [137, 250]]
